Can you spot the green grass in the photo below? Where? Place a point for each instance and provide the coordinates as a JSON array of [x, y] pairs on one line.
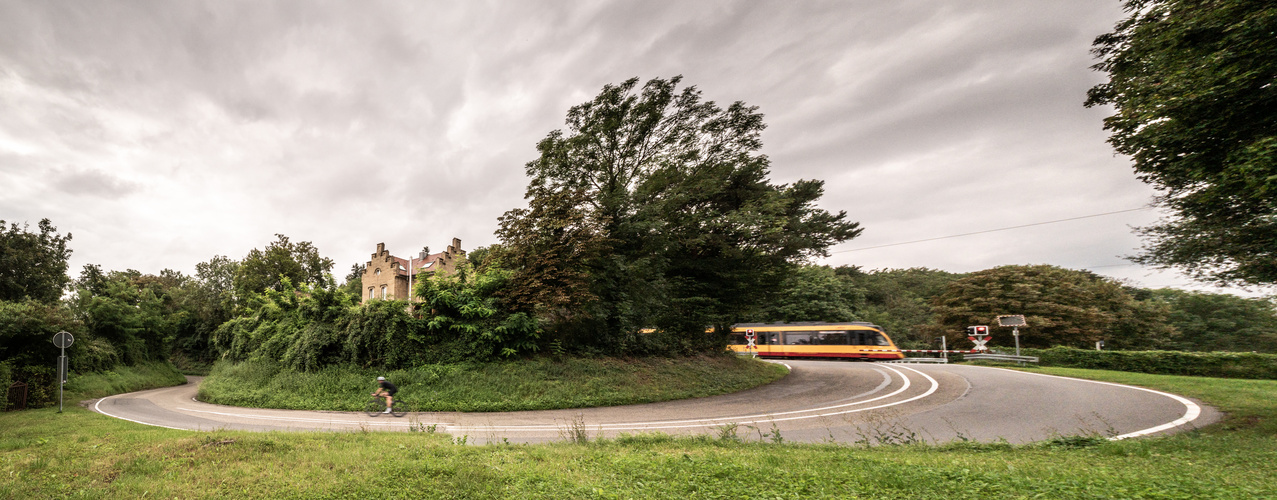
[[537, 384], [123, 379], [79, 454]]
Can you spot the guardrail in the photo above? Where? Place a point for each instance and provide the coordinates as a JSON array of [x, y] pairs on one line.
[[915, 360], [1003, 357]]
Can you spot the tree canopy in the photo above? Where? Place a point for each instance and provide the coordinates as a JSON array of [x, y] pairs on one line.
[[1061, 306], [1219, 322], [654, 210], [1194, 84], [899, 300], [814, 293], [33, 265], [300, 263]]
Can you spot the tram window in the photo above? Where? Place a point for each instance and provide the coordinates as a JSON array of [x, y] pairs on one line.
[[795, 338], [831, 338]]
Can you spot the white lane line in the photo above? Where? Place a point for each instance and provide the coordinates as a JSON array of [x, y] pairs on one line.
[[758, 418], [1191, 411], [98, 408], [298, 419], [672, 424], [662, 424], [675, 424]]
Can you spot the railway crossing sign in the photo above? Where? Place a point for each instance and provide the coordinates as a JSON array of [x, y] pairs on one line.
[[749, 341], [980, 335]]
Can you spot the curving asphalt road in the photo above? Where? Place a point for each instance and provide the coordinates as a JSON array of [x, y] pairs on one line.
[[818, 401]]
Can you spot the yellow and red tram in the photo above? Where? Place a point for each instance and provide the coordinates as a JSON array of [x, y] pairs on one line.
[[852, 340]]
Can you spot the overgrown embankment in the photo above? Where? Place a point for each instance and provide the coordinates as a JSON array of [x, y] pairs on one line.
[[534, 384], [122, 379], [115, 380]]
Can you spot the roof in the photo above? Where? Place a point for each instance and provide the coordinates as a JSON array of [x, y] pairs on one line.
[[422, 264]]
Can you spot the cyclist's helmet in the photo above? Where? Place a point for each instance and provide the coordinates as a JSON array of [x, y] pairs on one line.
[[379, 379]]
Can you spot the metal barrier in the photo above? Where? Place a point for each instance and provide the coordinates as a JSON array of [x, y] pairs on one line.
[[1003, 357], [915, 360]]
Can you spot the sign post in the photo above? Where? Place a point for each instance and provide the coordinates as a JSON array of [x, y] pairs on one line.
[[63, 340], [750, 347], [1015, 321]]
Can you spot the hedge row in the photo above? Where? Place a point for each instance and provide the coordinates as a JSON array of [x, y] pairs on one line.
[[1203, 364]]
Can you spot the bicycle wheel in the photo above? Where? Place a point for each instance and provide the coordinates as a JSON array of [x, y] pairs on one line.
[[375, 407], [398, 409]]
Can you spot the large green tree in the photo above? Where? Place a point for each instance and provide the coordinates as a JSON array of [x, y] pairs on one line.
[[814, 293], [657, 203], [137, 315], [1194, 85], [899, 300], [33, 265], [1061, 306], [300, 263]]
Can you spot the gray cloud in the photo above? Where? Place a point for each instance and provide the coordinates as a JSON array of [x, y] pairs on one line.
[[349, 124], [91, 182]]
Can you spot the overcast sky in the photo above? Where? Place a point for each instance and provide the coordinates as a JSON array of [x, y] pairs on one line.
[[163, 133]]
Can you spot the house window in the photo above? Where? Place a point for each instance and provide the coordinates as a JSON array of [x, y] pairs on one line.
[[370, 292], [383, 291], [377, 272]]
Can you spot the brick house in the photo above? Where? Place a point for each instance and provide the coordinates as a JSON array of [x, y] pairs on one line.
[[386, 276]]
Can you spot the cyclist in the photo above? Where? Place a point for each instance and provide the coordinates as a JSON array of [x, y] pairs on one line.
[[386, 390]]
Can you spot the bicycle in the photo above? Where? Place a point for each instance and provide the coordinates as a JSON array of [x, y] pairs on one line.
[[377, 406]]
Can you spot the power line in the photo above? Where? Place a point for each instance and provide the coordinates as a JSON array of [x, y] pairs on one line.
[[992, 230]]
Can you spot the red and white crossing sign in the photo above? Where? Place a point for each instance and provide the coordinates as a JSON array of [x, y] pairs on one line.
[[978, 334]]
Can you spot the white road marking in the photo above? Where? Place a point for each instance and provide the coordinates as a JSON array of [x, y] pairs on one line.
[[671, 424], [1191, 412], [98, 408], [745, 419], [298, 419]]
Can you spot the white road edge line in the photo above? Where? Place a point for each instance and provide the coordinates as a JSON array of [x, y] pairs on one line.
[[672, 424], [98, 409], [1191, 412], [759, 418]]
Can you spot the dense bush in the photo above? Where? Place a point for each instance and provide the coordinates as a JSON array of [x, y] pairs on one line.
[[309, 328], [1204, 364]]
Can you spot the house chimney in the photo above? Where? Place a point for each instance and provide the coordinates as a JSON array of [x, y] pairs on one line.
[[381, 248]]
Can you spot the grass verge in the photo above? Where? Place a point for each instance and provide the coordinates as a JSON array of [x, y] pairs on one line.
[[537, 384], [79, 454], [123, 379]]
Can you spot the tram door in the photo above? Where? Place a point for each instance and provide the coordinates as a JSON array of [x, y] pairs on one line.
[[771, 340]]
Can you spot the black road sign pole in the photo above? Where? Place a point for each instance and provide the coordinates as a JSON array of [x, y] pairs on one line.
[[63, 340], [62, 376]]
